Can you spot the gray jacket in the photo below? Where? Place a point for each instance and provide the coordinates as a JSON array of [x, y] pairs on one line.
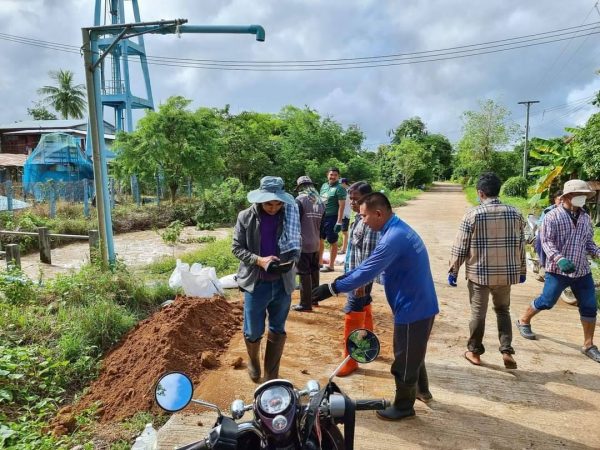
[[246, 247]]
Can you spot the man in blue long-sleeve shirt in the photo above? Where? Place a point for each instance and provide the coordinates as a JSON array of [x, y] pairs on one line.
[[401, 258]]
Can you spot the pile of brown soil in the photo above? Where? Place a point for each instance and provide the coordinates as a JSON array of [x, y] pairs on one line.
[[186, 336]]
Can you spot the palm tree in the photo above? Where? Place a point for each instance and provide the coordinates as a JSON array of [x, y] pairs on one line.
[[66, 98]]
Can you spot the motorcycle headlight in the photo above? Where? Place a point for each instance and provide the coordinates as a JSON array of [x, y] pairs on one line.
[[275, 400]]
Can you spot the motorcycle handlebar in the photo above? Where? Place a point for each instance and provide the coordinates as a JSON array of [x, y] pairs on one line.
[[200, 445], [371, 404]]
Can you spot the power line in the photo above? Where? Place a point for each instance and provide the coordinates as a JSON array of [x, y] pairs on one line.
[[548, 71], [349, 63]]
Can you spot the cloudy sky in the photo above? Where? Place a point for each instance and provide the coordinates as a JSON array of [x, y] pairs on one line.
[[561, 75]]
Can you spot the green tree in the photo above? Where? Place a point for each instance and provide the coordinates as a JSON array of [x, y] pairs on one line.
[[66, 98], [588, 146], [557, 162], [485, 132], [402, 162], [40, 112], [174, 141], [412, 128]]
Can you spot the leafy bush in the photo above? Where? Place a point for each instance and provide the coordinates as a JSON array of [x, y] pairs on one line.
[[16, 288], [515, 187], [215, 254], [171, 234], [221, 203]]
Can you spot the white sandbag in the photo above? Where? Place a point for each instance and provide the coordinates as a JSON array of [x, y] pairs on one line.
[[229, 281], [175, 278], [201, 282], [339, 259]]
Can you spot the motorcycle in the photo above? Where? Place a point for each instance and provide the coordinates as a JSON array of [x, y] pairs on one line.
[[284, 418]]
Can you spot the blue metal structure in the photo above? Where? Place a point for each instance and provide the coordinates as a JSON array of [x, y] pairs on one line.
[[93, 59], [115, 82], [58, 157]]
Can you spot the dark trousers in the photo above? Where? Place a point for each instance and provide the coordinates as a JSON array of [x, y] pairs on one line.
[[479, 297], [410, 346], [308, 271]]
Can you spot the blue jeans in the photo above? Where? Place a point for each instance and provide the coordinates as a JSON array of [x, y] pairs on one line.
[[357, 304], [268, 297], [582, 287]]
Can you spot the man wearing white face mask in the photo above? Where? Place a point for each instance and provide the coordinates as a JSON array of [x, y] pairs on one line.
[[567, 237]]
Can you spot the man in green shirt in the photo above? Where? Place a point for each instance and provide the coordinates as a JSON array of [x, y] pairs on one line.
[[334, 198]]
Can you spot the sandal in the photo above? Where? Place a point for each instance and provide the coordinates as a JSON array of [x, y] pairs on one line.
[[470, 360], [326, 269], [592, 352], [525, 330], [509, 363]]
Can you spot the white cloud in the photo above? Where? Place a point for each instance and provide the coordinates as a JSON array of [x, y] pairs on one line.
[[376, 99]]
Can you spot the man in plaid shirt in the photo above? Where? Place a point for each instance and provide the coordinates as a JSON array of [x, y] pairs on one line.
[[362, 241], [567, 238], [491, 243]]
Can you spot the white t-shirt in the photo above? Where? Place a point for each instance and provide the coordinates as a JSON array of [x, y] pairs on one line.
[[347, 209]]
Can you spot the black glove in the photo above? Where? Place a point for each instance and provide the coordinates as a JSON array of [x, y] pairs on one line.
[[323, 292]]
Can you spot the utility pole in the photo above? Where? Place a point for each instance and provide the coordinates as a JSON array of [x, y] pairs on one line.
[[93, 57], [528, 103]]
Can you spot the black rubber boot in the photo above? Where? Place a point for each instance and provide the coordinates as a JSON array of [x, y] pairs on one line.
[[275, 344], [253, 349], [403, 406], [423, 392]]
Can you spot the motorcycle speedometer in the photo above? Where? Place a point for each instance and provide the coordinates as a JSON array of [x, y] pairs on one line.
[[275, 400]]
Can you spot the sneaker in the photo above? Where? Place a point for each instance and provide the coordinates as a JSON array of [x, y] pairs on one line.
[[325, 269]]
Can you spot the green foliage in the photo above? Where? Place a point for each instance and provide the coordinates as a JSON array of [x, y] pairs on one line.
[[515, 187], [39, 112], [216, 254], [588, 146], [173, 141], [399, 197], [222, 202], [405, 164], [485, 133], [171, 234], [66, 98], [51, 345], [16, 288], [557, 163]]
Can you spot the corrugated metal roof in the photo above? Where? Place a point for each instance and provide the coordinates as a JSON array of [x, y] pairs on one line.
[[59, 123], [12, 160], [68, 123], [54, 130]]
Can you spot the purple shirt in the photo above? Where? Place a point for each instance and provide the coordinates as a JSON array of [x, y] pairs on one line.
[[268, 240], [561, 238]]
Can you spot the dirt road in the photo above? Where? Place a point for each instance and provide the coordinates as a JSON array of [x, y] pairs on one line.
[[551, 401]]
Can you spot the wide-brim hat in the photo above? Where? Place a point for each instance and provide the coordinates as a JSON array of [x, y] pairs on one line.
[[577, 187], [271, 188], [302, 181]]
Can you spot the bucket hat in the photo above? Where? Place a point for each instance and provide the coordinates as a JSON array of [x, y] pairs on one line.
[[271, 188], [304, 179], [577, 187]]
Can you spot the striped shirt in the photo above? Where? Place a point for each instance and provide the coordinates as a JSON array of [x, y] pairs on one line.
[[562, 238], [361, 243], [491, 243]]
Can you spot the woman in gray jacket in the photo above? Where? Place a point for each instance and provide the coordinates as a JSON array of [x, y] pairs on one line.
[[266, 240]]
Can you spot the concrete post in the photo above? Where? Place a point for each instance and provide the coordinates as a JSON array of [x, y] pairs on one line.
[[13, 255], [44, 243]]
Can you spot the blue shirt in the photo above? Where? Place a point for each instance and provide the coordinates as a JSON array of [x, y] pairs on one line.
[[401, 257]]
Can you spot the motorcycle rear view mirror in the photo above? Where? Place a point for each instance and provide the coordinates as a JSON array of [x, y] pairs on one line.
[[173, 391], [363, 345]]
